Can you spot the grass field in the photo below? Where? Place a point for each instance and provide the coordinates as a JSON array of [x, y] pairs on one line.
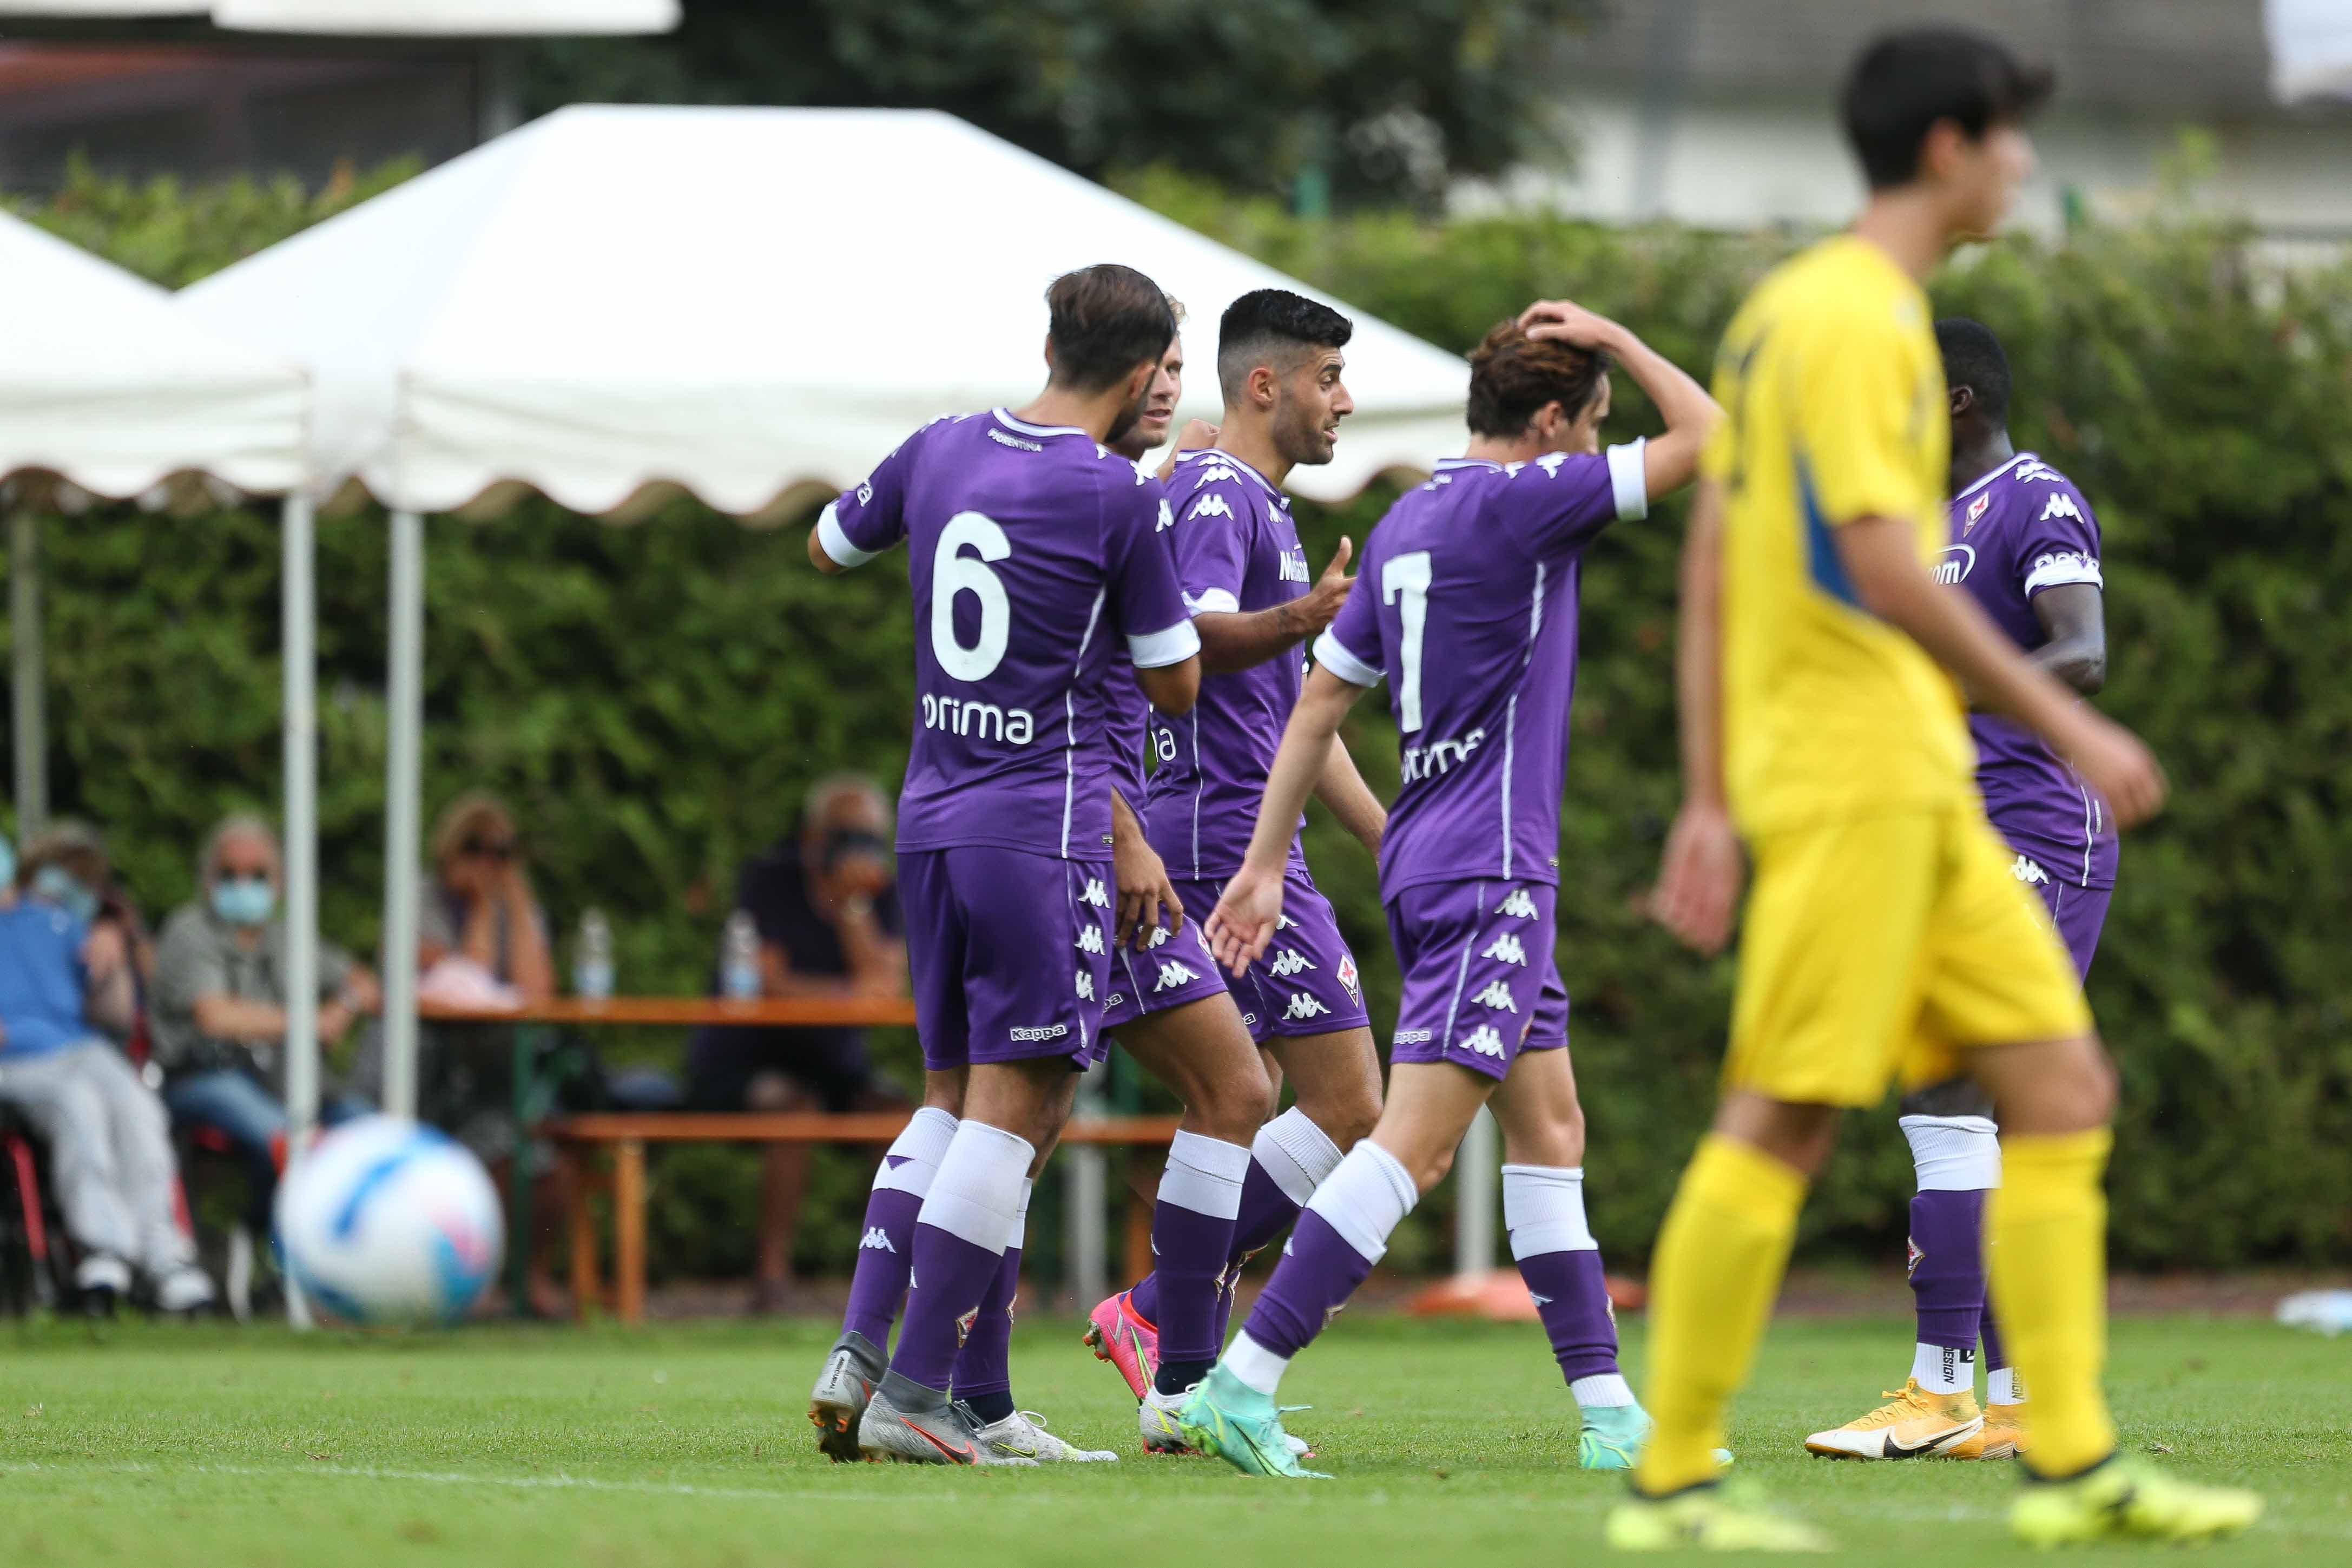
[[162, 1445]]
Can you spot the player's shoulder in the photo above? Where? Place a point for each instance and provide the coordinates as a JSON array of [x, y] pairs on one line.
[[2028, 490], [1211, 485], [1845, 285]]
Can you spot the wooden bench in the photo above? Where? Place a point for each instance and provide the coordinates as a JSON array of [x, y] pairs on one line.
[[625, 1135]]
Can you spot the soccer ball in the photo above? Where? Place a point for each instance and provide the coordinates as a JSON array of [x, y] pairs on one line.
[[385, 1222]]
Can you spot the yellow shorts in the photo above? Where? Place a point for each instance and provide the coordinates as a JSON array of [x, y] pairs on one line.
[[1887, 946]]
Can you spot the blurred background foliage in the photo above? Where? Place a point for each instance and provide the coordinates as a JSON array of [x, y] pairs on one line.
[[652, 699]]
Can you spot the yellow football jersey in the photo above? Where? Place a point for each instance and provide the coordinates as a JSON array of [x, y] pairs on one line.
[[1833, 394]]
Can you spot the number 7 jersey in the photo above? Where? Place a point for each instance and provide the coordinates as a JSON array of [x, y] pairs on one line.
[[1029, 549], [1467, 604]]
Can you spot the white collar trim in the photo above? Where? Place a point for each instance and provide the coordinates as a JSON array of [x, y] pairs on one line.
[[1985, 479], [1027, 429]]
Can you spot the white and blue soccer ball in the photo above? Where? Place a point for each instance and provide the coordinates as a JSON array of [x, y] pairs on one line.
[[385, 1222]]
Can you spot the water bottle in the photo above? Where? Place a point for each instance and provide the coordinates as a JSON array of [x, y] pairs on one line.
[[739, 958], [591, 960], [2329, 1312]]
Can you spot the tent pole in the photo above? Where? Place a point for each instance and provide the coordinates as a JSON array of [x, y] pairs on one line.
[[297, 631], [1476, 1173], [32, 748], [403, 810]]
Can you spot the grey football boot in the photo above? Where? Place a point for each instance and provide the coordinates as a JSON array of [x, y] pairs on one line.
[[843, 1390], [909, 1424], [1022, 1435]]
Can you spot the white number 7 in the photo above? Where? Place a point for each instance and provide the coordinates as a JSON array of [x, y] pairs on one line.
[[1408, 575]]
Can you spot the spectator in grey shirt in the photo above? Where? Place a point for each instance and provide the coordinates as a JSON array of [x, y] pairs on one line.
[[218, 1021]]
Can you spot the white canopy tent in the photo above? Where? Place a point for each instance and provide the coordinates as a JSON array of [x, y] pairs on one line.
[[382, 18], [2310, 49], [753, 305]]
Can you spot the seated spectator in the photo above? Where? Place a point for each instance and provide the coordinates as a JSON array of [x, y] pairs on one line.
[[68, 866], [218, 1021], [825, 905], [62, 983]]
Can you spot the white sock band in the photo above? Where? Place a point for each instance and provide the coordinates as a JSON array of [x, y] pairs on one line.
[[1298, 1155], [1543, 1209], [1601, 1390], [977, 1195], [917, 1150], [1954, 1154], [1204, 1175], [2003, 1386], [1941, 1370], [1255, 1365], [1366, 1199]]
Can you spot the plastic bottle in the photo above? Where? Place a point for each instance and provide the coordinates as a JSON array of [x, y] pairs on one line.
[[2329, 1312], [591, 960], [739, 958]]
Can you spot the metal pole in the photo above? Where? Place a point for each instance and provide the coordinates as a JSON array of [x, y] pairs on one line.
[[32, 748], [1087, 1218], [297, 630], [1478, 1177], [404, 761]]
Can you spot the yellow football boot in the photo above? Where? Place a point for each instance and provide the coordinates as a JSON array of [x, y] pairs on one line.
[[1913, 1425], [1708, 1518], [2006, 1433], [2126, 1499]]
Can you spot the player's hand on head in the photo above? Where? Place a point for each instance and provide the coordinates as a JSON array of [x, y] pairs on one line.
[[2115, 762], [1241, 925], [1566, 319], [1699, 881]]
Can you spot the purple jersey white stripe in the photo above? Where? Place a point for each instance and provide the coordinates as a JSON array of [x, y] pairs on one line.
[[1467, 602], [2021, 529], [1236, 551], [1031, 552]]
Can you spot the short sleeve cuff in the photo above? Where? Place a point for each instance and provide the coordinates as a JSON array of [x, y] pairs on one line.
[[1334, 656], [2061, 567], [834, 541], [1213, 602], [1157, 650], [1626, 481]]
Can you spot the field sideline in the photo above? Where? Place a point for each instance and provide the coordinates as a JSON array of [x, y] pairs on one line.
[[686, 1446]]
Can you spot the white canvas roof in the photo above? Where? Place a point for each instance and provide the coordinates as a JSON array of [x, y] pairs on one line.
[[447, 18], [747, 303], [105, 382]]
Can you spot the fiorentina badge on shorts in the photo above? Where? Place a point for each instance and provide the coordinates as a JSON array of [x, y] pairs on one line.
[[1346, 974], [1976, 511]]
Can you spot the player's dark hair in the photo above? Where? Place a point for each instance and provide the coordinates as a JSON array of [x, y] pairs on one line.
[[1973, 359], [1513, 375], [1106, 319], [1904, 83], [1266, 324]]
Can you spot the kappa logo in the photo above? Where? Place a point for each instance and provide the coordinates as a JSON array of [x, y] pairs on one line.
[[1303, 1006], [1213, 506], [1287, 962], [1540, 1301], [1549, 463], [1210, 473], [1519, 906], [1507, 949], [866, 495], [1167, 518], [1095, 895], [1044, 1031], [1284, 922], [1086, 986], [1090, 939], [2061, 504], [1484, 1041], [1172, 973], [1158, 937], [1346, 975], [1497, 996], [2036, 468], [2029, 872], [1412, 1037], [879, 1240]]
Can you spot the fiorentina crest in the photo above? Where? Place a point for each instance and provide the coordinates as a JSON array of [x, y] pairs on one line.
[[1976, 510], [1911, 1264], [1347, 974]]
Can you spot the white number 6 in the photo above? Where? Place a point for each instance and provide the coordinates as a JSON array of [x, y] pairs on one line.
[[954, 573]]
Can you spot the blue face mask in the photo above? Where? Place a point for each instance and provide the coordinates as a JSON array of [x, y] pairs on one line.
[[244, 902], [63, 889]]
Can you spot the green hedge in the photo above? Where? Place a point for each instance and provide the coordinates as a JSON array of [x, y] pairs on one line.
[[653, 695]]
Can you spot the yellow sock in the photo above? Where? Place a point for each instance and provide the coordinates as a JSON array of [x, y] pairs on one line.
[[2048, 1226], [1720, 1257]]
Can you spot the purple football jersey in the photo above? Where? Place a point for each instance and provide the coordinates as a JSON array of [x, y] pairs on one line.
[[1236, 551], [1030, 553], [2019, 530], [1466, 603]]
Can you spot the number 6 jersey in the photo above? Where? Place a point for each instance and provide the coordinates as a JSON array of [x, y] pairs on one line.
[[1467, 604], [1030, 548]]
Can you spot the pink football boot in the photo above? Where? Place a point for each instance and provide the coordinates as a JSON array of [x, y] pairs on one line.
[[1117, 1334]]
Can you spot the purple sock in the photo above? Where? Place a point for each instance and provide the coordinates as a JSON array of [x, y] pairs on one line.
[[886, 1246], [1192, 1236], [1320, 1270], [1947, 1273], [1572, 1299], [1265, 1213], [971, 1216], [984, 1367]]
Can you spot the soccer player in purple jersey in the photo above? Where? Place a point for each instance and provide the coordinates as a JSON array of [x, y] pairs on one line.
[[1280, 365], [1030, 548], [1468, 607], [2026, 545]]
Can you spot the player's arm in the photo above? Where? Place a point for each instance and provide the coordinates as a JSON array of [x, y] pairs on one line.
[[2074, 626], [1698, 883], [1344, 793], [1881, 561], [1238, 639], [1244, 919], [1144, 890], [859, 524], [1668, 461]]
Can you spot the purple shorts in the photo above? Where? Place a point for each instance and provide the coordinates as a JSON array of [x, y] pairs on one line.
[[2077, 913], [1010, 953], [1176, 968], [1481, 979], [1305, 985]]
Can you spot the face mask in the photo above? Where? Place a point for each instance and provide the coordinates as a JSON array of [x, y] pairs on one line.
[[63, 889], [243, 902]]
